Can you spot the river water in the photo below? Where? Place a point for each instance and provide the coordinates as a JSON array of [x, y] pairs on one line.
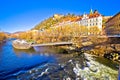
[[47, 64]]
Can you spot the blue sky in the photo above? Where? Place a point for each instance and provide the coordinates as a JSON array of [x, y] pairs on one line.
[[21, 15]]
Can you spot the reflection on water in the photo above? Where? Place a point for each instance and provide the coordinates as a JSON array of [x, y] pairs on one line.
[[24, 51], [48, 49]]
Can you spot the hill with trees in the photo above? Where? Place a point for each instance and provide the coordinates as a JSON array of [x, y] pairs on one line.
[[55, 19]]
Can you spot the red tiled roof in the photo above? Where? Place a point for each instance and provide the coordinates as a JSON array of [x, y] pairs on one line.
[[76, 19], [93, 15]]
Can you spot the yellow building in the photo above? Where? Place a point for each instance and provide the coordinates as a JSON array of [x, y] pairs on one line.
[[113, 25]]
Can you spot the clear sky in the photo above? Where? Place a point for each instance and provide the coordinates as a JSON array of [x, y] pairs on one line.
[[21, 15]]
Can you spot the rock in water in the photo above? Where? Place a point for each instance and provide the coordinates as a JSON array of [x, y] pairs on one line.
[[21, 44]]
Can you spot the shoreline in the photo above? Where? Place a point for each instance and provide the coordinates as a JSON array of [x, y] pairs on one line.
[[105, 51]]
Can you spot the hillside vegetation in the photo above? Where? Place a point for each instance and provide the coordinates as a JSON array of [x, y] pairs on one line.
[[70, 32], [52, 21], [3, 36]]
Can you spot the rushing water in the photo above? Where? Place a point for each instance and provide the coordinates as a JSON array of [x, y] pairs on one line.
[[47, 65]]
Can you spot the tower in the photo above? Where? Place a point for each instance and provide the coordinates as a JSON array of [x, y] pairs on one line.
[[91, 12]]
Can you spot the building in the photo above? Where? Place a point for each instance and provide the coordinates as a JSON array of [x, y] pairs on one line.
[[91, 19], [113, 25], [92, 22], [88, 20], [57, 16]]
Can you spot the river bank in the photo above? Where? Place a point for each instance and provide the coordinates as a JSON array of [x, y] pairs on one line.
[[3, 37], [103, 47]]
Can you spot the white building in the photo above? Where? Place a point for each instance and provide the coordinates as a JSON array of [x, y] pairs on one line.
[[92, 19]]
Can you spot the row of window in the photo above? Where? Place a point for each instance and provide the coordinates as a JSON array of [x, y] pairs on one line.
[[94, 24], [94, 20], [88, 21]]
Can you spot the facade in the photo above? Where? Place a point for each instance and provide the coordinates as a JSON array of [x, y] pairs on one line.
[[92, 19], [113, 25], [88, 20]]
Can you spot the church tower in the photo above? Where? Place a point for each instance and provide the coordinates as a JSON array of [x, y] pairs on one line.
[[91, 12]]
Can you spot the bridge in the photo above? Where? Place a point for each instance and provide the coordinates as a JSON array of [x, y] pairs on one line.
[[103, 36], [52, 44]]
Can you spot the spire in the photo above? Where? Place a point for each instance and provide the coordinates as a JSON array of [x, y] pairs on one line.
[[91, 12]]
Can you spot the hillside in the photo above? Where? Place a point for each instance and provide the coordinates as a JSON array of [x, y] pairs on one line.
[[55, 19]]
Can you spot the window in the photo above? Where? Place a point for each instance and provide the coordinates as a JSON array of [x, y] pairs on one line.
[[96, 19]]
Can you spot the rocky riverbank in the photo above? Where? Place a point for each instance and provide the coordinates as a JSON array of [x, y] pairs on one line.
[[110, 51], [102, 47]]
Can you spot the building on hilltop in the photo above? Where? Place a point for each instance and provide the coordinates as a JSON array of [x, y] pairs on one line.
[[57, 16], [91, 19], [113, 25]]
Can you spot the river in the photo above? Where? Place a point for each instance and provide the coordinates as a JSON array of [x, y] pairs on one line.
[[48, 64]]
